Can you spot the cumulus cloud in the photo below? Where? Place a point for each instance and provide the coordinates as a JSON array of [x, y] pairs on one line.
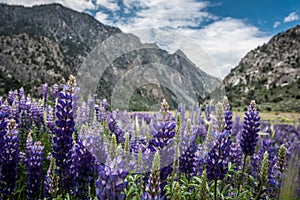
[[276, 24], [79, 5], [291, 17], [161, 13], [227, 40], [111, 5], [102, 17], [215, 48]]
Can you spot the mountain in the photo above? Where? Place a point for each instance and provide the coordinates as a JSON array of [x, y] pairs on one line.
[[270, 74], [46, 43]]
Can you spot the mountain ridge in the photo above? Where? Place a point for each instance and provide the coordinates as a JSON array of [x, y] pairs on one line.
[[76, 34], [269, 73]]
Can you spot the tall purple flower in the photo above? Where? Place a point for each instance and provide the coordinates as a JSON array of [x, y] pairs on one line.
[[236, 155], [188, 147], [110, 183], [82, 169], [162, 134], [9, 157], [208, 111], [227, 114], [10, 97], [188, 160], [115, 129], [104, 105], [51, 181], [237, 128], [34, 170], [62, 141], [54, 92], [250, 130], [21, 92], [218, 157], [3, 125]]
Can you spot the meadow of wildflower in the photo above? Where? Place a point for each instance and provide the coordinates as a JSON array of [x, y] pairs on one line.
[[61, 147]]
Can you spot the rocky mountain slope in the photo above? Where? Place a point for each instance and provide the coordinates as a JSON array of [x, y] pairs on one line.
[[270, 74], [47, 43]]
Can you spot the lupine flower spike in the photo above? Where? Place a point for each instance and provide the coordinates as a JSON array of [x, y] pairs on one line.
[[249, 134], [34, 170], [153, 185], [62, 141], [9, 157]]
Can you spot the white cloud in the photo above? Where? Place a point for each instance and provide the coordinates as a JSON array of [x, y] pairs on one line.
[[276, 24], [291, 17], [108, 4], [102, 17], [226, 41], [79, 5], [161, 13], [216, 48]]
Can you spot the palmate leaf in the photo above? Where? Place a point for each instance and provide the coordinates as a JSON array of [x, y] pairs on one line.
[[134, 188]]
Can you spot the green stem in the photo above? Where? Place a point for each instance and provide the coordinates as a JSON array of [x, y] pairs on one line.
[[242, 176], [216, 180]]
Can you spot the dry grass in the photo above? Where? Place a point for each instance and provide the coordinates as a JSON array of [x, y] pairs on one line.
[[276, 117]]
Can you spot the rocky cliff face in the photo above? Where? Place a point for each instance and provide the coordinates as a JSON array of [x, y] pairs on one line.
[[270, 73], [47, 43], [29, 60]]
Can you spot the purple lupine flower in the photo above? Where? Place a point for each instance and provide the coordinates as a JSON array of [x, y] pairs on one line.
[[208, 111], [82, 169], [14, 111], [115, 129], [21, 92], [22, 103], [266, 146], [34, 170], [110, 183], [236, 155], [138, 143], [200, 133], [218, 157], [62, 141], [10, 97], [44, 91], [29, 142], [3, 130], [51, 181], [9, 157], [54, 92], [162, 134], [3, 125], [250, 130], [227, 114], [37, 114], [237, 127], [28, 102], [188, 160], [104, 105]]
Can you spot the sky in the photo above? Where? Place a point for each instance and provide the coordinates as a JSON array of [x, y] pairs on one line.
[[221, 31]]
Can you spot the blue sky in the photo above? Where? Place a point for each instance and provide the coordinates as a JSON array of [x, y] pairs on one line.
[[217, 31]]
